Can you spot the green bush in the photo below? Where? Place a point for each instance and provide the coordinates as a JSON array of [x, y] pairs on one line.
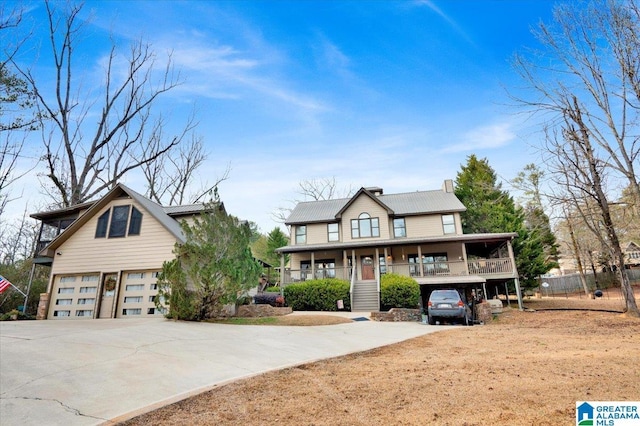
[[272, 289], [399, 291], [318, 295]]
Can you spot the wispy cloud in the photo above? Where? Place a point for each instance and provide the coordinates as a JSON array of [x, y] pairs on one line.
[[453, 24], [484, 137]]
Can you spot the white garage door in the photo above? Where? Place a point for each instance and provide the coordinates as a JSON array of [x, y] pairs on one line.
[[74, 296], [138, 290]]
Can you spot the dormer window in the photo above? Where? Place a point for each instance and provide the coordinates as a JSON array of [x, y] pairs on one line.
[[119, 221], [365, 226]]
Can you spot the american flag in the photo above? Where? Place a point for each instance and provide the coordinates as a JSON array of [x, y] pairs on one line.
[[4, 284]]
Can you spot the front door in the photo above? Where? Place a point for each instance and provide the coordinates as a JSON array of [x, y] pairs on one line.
[[367, 268], [108, 295]]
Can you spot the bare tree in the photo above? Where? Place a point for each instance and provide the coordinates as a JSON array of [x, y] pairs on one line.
[[170, 178], [593, 53], [85, 155], [580, 174], [313, 190], [585, 84]]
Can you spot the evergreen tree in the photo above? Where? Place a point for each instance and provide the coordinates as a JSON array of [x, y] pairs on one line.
[[275, 240], [213, 268], [491, 209]]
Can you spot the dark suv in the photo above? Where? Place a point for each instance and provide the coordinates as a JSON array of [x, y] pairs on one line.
[[448, 305]]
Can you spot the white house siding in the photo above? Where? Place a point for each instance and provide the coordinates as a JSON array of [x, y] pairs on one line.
[[364, 204], [82, 253]]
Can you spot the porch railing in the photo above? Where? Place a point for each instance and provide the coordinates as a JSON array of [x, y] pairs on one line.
[[482, 267]]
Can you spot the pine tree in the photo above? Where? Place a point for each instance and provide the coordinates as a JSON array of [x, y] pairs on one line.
[[213, 268]]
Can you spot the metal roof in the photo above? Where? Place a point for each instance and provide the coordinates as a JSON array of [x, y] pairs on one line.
[[403, 204]]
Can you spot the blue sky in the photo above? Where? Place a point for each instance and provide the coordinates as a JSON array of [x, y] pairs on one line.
[[372, 93]]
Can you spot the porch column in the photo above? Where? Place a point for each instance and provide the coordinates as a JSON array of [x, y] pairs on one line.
[[464, 258], [282, 275], [377, 270], [345, 264], [354, 265], [420, 261], [313, 265], [515, 275]]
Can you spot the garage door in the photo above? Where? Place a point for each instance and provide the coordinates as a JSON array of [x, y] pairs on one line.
[[137, 294], [74, 296]]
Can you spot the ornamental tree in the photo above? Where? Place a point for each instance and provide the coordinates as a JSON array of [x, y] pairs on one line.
[[212, 268]]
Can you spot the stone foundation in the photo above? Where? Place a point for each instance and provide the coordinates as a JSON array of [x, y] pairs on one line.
[[397, 314], [251, 311], [41, 314]]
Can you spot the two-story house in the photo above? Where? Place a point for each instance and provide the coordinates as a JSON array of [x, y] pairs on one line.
[[418, 234], [105, 255]]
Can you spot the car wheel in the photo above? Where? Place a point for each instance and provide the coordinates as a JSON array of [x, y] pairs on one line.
[[432, 320]]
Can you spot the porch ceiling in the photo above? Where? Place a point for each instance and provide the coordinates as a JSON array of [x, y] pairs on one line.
[[465, 238]]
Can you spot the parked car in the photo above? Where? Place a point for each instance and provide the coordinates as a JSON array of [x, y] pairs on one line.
[[448, 305]]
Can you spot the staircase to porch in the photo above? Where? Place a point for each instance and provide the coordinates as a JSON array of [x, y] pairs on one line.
[[365, 297]]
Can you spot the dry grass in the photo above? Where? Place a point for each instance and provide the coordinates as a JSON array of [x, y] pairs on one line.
[[524, 368]]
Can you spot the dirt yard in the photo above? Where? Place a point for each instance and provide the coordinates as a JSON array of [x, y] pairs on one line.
[[524, 368]]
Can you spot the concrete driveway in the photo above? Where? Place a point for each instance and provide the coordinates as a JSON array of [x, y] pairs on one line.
[[96, 371]]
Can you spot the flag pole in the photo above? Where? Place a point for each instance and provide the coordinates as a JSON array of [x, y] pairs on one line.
[[26, 296]]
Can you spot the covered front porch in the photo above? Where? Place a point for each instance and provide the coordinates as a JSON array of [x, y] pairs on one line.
[[431, 262]]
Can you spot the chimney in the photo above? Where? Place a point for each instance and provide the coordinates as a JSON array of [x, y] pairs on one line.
[[447, 186], [377, 191]]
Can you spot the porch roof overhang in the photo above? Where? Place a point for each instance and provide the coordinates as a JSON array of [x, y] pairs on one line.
[[464, 238], [450, 280]]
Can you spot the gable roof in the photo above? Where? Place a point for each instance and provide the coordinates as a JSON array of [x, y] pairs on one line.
[[154, 209], [403, 204], [366, 193]]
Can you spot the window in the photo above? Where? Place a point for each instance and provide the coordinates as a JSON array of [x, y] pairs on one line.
[[136, 311], [133, 299], [155, 274], [135, 222], [152, 299], [135, 275], [61, 313], [333, 232], [134, 287], [153, 286], [365, 226], [383, 264], [88, 289], [63, 301], [84, 313], [101, 229], [70, 279], [65, 290], [448, 224], [119, 219], [399, 227], [435, 264], [86, 301], [89, 278], [301, 234], [151, 311]]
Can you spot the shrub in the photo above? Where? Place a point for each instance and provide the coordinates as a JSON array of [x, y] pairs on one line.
[[318, 295], [398, 291], [272, 289]]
